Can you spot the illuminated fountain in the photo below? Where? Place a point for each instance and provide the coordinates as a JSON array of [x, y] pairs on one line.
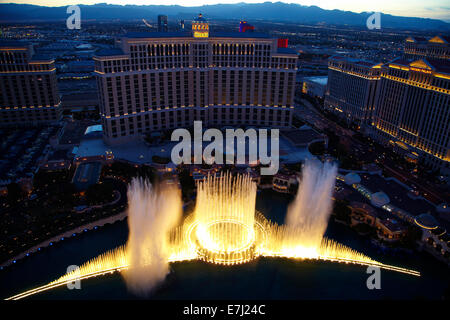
[[224, 229], [225, 219]]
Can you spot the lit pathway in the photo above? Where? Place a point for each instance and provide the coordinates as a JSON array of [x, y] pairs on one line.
[[68, 234]]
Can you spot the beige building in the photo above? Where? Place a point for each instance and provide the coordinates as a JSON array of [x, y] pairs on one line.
[[157, 81], [28, 89], [435, 48], [351, 88], [412, 110]]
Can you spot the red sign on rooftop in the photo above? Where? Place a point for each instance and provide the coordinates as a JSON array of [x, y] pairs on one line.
[[282, 43]]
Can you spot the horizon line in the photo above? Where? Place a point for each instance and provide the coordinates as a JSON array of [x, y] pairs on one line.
[[83, 3]]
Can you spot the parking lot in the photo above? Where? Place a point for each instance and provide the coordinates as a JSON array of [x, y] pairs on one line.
[[21, 150]]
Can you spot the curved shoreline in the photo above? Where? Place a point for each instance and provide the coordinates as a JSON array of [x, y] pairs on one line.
[[67, 234]]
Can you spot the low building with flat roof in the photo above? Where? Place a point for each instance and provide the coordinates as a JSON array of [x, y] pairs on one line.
[[87, 174], [315, 86]]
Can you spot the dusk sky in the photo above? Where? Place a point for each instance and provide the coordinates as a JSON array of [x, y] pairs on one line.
[[439, 9]]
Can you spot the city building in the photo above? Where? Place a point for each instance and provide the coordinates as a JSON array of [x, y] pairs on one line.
[[435, 238], [387, 229], [314, 86], [435, 48], [351, 88], [162, 23], [57, 160], [284, 182], [158, 81], [390, 230], [29, 93], [412, 110]]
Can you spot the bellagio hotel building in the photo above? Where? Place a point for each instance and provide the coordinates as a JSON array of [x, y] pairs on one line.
[[157, 81]]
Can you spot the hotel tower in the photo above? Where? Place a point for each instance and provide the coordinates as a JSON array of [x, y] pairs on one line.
[[412, 108], [351, 88], [156, 81], [404, 104], [28, 88]]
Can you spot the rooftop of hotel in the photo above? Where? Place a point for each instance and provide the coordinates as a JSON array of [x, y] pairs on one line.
[[445, 38], [162, 35], [77, 97], [437, 65], [42, 57], [17, 44], [364, 63], [13, 44], [109, 52], [188, 34], [323, 80], [286, 51]]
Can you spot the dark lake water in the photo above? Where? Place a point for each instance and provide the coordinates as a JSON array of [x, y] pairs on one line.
[[261, 279]]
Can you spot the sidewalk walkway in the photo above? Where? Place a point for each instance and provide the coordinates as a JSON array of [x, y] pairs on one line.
[[68, 234]]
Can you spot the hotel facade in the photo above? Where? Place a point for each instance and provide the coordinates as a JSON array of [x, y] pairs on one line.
[[158, 81], [412, 110], [403, 104], [28, 87], [351, 88]]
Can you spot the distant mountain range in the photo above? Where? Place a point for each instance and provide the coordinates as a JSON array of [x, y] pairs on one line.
[[278, 11]]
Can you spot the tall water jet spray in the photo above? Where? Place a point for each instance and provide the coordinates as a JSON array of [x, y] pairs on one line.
[[225, 212], [308, 214], [152, 213]]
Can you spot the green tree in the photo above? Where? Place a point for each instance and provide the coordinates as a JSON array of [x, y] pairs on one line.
[[342, 211], [187, 183], [99, 193], [15, 192], [317, 148], [412, 235], [160, 160]]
